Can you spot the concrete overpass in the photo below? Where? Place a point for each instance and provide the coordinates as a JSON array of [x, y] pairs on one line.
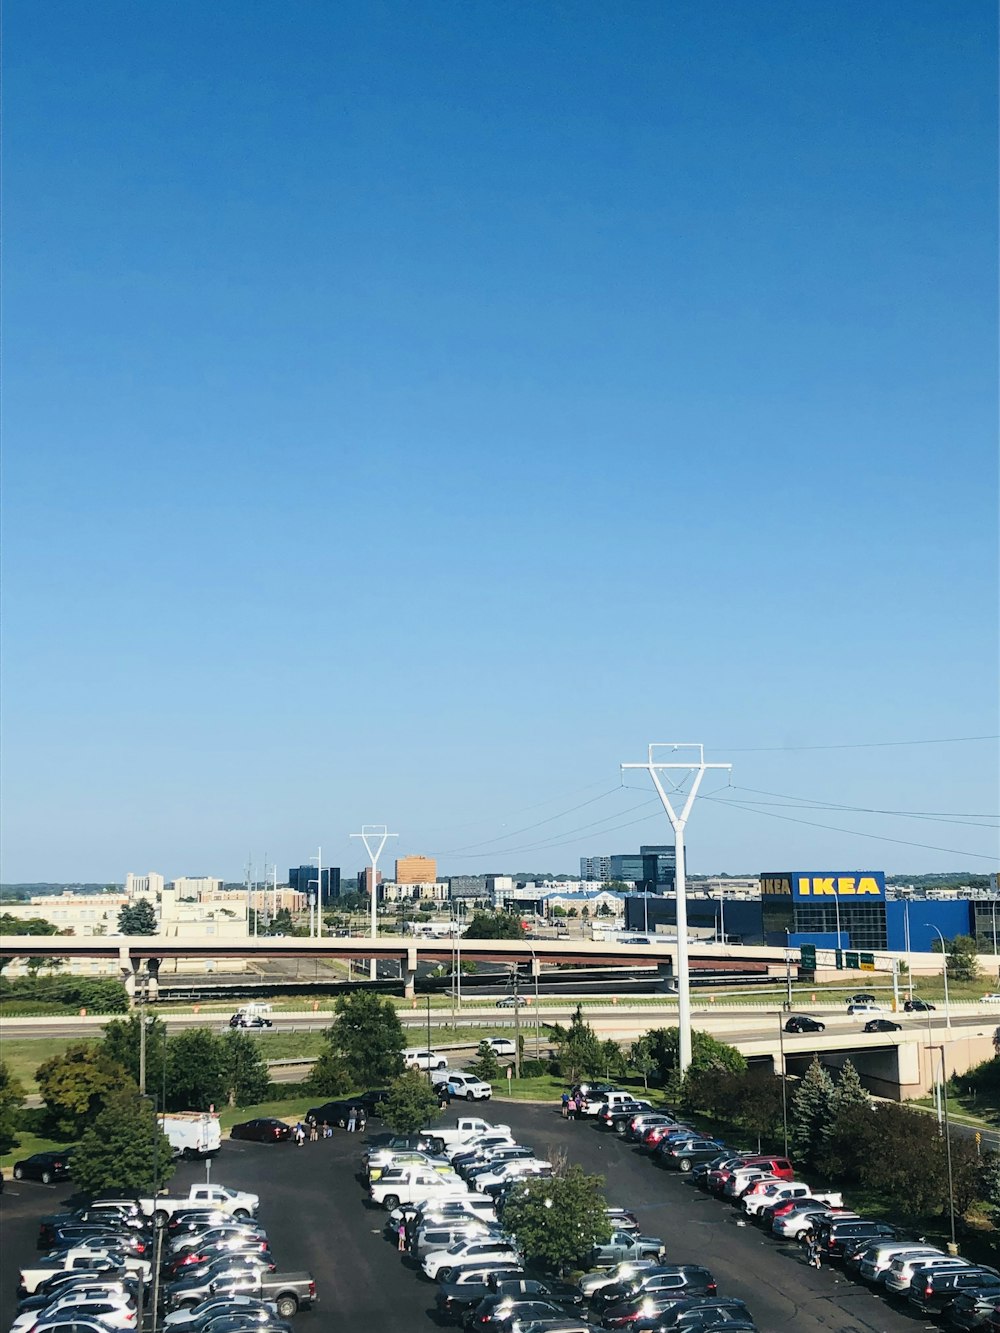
[[148, 951]]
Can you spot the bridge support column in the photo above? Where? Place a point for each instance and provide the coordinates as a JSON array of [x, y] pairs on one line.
[[127, 969], [153, 981], [665, 977], [410, 984]]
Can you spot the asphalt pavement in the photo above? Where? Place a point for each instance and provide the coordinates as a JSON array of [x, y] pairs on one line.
[[315, 1210]]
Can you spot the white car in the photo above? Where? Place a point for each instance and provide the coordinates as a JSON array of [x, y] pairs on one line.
[[900, 1272], [115, 1311], [502, 1046], [466, 1252], [866, 1008], [991, 997], [424, 1059], [515, 1170], [468, 1086]]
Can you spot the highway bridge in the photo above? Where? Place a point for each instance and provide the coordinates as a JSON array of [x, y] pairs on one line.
[[149, 951]]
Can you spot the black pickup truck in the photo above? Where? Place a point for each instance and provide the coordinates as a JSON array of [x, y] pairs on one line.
[[287, 1291]]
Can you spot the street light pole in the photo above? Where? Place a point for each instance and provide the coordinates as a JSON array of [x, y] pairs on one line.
[[695, 769], [784, 1082], [953, 1247], [944, 956]]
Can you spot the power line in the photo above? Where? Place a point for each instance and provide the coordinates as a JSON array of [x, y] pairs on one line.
[[502, 837], [814, 803], [548, 845], [861, 745], [856, 833], [511, 814]]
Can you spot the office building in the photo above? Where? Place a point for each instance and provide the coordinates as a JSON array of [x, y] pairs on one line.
[[303, 880], [196, 887], [416, 870], [143, 886], [595, 869], [365, 880]]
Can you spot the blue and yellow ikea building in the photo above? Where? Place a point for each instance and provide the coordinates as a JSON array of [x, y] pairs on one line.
[[846, 909], [850, 909]]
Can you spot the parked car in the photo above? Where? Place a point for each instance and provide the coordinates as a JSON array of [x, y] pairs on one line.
[[194, 1320], [836, 1236], [971, 1311], [933, 1290], [704, 1312], [882, 1025], [877, 1258], [624, 1245], [466, 1085], [803, 1023], [469, 1253], [916, 1006], [685, 1155], [265, 1129], [456, 1297], [625, 1271], [44, 1166], [621, 1304], [900, 1273]]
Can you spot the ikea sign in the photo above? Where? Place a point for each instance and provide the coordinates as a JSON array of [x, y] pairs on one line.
[[819, 886]]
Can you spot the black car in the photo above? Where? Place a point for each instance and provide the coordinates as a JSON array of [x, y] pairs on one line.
[[44, 1166], [803, 1023], [932, 1290], [517, 1290], [618, 1118], [499, 1312], [464, 1290], [882, 1025], [861, 998], [265, 1129], [332, 1113], [916, 1006], [838, 1238], [658, 1288], [373, 1100], [699, 1313]]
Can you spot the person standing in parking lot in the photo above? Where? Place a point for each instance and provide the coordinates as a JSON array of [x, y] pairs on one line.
[[565, 1106], [352, 1120], [401, 1237]]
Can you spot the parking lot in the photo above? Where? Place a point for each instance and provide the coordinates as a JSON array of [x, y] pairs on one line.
[[317, 1217]]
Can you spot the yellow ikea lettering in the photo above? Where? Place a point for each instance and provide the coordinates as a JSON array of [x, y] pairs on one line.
[[868, 885], [845, 886], [822, 885]]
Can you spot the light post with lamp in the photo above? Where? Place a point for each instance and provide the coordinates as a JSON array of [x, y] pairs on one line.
[[939, 1046], [944, 955]]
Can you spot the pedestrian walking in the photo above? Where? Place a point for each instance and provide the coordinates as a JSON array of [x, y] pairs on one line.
[[352, 1120]]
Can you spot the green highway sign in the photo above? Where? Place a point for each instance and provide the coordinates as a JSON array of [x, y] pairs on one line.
[[867, 962], [808, 957], [852, 960]]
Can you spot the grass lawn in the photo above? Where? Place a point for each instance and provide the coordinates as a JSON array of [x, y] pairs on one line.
[[23, 1055]]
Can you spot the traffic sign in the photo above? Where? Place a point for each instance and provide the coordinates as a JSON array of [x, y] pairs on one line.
[[867, 962], [808, 957], [852, 960]]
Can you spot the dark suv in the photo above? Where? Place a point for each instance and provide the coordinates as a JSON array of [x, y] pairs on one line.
[[622, 1303], [971, 1311], [803, 1023], [701, 1312], [837, 1237], [932, 1290], [686, 1155]]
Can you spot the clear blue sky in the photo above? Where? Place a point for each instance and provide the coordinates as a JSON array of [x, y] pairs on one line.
[[413, 410]]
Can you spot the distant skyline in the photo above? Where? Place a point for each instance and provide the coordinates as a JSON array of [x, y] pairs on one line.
[[410, 413]]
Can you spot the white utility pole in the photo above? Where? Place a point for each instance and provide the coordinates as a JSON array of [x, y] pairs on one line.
[[374, 837], [696, 768]]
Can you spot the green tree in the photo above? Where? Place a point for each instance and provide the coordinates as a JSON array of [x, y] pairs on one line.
[[122, 1043], [32, 925], [486, 1065], [557, 1222], [247, 1078], [963, 962], [411, 1102], [579, 1048], [810, 1113], [760, 1104], [706, 1053], [197, 1071], [909, 1164], [613, 1060], [330, 1076], [11, 1101], [642, 1060], [137, 918], [119, 1149], [494, 926], [75, 1086], [369, 1037]]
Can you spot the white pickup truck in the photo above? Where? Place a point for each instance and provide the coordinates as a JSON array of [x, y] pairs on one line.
[[412, 1184], [82, 1259], [755, 1202], [235, 1202], [465, 1128]]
